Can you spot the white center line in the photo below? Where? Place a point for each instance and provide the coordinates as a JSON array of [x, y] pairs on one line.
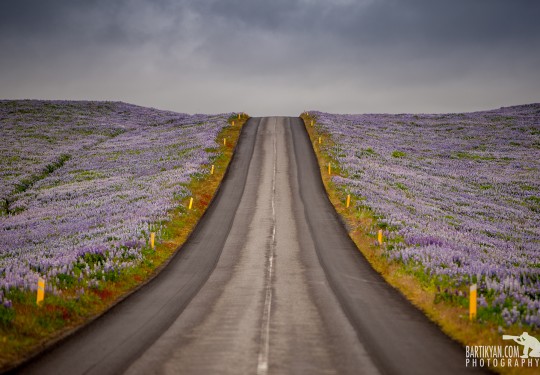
[[262, 366]]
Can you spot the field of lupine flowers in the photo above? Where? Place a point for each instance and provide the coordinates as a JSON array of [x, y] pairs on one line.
[[458, 196], [83, 184]]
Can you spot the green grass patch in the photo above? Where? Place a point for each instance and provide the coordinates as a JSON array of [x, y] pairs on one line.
[[367, 152], [469, 156], [401, 186], [533, 203]]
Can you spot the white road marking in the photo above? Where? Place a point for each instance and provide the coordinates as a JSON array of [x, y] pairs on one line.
[[262, 366]]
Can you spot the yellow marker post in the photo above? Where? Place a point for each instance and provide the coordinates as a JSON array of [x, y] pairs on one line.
[[311, 122], [190, 202], [152, 240], [379, 237], [233, 123], [40, 290], [224, 141], [320, 140], [329, 168], [212, 170], [472, 302], [239, 116], [348, 200]]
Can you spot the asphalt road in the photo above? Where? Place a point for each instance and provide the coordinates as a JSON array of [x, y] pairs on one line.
[[269, 283]]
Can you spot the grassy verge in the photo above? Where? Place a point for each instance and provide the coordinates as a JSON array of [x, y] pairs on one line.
[[449, 310], [27, 328]]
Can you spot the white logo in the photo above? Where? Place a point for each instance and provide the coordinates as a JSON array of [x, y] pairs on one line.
[[528, 342], [505, 355]]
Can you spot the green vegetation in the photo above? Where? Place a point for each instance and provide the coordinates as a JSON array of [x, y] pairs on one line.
[[365, 153], [533, 203], [469, 156]]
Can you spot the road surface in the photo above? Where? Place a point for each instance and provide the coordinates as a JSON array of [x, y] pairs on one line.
[[269, 283]]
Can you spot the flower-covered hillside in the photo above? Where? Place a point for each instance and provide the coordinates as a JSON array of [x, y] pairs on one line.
[[83, 183], [459, 195]]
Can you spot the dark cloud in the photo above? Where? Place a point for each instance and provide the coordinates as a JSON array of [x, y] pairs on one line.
[[276, 56]]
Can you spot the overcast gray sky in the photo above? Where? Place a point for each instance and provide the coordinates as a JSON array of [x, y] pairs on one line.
[[274, 57]]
